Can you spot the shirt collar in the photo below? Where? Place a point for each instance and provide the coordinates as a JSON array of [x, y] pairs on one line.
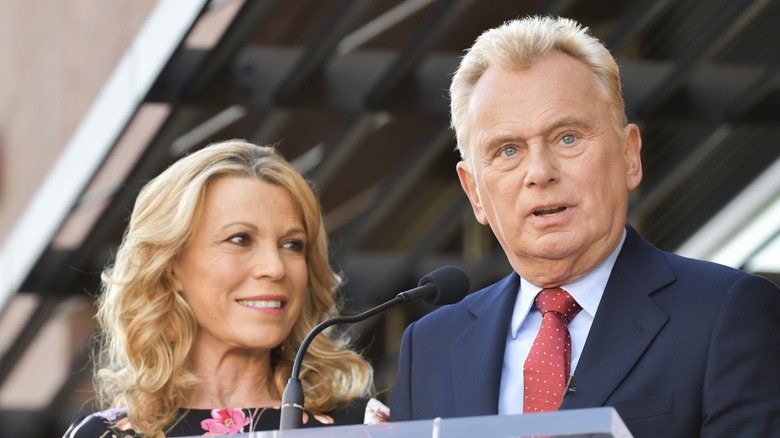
[[587, 291]]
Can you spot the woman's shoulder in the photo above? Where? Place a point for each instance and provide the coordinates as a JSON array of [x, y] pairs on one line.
[[103, 424]]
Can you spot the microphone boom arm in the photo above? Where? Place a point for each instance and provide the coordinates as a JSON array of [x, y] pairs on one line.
[[292, 399]]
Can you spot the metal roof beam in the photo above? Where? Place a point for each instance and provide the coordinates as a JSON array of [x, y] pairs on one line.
[[338, 25], [727, 25], [757, 90], [640, 16], [116, 104], [413, 167], [377, 286], [241, 29], [743, 227], [437, 23], [346, 82]]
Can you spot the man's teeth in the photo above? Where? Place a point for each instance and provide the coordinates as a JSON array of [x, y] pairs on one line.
[[549, 211], [261, 304]]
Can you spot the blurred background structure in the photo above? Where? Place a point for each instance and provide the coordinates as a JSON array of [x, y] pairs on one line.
[[97, 97]]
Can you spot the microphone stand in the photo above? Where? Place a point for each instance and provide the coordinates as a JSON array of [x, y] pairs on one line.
[[292, 399]]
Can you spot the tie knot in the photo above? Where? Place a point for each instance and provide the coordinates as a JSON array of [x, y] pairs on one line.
[[559, 301]]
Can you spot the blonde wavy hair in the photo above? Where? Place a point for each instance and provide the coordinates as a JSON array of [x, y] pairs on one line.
[[138, 366], [519, 44]]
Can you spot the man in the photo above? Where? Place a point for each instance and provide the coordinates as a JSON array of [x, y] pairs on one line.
[[679, 347]]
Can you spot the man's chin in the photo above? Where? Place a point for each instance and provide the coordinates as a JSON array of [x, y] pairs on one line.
[[555, 246]]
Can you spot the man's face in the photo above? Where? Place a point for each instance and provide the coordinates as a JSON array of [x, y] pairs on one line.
[[548, 171]]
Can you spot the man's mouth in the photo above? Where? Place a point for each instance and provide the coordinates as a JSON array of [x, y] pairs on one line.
[[548, 211]]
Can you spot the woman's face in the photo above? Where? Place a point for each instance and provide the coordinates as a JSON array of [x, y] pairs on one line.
[[244, 271]]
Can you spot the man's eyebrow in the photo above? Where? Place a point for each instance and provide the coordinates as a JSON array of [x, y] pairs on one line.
[[566, 122], [498, 141], [573, 122]]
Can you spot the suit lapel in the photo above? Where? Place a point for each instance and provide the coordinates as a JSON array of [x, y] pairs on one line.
[[477, 354], [626, 322]]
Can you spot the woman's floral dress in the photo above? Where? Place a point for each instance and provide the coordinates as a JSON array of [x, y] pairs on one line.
[[113, 423]]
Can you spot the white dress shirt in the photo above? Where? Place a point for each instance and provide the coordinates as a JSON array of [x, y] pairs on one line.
[[526, 321]]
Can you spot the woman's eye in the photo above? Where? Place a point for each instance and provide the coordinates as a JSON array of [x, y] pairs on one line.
[[240, 239], [568, 139], [509, 151], [295, 245]]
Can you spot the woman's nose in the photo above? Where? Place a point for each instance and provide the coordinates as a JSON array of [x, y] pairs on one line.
[[268, 262]]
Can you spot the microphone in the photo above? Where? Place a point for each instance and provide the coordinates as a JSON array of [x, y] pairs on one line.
[[446, 285]]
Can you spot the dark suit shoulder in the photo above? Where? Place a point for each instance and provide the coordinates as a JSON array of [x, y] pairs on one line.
[[711, 277], [464, 311], [654, 270]]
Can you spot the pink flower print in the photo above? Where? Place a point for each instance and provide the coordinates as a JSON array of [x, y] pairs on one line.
[[225, 421]]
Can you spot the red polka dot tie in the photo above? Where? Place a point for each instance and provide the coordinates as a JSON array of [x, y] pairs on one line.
[[547, 367]]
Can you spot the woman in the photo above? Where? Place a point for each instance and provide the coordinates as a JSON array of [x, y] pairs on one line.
[[222, 272]]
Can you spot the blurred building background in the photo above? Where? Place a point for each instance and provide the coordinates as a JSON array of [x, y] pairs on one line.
[[98, 96]]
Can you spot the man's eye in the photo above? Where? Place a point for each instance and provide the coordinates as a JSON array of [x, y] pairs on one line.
[[509, 151], [568, 139]]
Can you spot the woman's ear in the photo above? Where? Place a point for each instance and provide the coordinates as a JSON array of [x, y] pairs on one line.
[[170, 333], [176, 283]]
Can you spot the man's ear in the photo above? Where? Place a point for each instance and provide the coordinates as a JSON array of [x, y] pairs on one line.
[[470, 187], [632, 147]]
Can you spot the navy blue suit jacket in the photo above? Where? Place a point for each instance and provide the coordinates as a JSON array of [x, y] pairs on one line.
[[679, 347]]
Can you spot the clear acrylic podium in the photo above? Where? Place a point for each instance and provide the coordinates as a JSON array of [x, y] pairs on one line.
[[574, 423]]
